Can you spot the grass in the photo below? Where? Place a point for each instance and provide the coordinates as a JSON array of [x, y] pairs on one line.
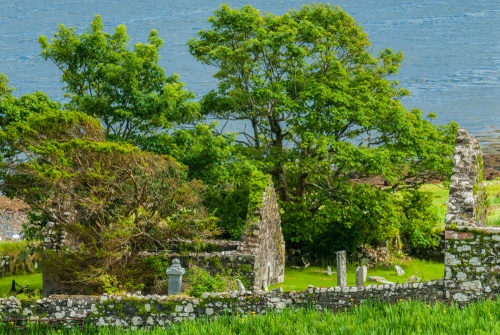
[[406, 317], [298, 280], [440, 194], [34, 282]]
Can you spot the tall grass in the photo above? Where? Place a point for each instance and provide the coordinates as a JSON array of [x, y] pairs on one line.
[[406, 317]]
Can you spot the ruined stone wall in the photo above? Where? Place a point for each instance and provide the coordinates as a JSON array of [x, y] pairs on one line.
[[466, 203], [263, 238], [472, 263], [258, 259]]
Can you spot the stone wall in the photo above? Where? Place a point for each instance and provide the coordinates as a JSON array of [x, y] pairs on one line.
[[263, 238], [466, 203], [472, 263], [139, 311]]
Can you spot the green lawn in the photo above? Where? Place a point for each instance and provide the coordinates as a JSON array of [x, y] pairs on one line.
[[33, 281], [298, 280]]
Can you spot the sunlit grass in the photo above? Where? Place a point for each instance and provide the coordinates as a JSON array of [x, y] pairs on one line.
[[34, 282], [300, 279], [405, 317]]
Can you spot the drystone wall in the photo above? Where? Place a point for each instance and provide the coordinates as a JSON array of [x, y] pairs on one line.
[[141, 311], [472, 263], [467, 199]]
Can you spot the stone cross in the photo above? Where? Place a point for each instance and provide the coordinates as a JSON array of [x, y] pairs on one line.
[[175, 273], [341, 268], [361, 273]]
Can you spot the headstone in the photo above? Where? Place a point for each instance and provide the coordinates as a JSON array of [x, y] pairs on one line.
[[361, 273], [175, 273], [341, 268], [399, 270], [376, 278], [328, 270], [241, 287]]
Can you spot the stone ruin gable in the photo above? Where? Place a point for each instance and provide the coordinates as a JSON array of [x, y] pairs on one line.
[[148, 311], [258, 259], [472, 263], [263, 238], [466, 203]]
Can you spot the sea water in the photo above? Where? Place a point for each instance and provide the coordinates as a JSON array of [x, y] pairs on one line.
[[452, 48]]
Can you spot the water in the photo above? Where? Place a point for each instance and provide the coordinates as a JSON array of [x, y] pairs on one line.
[[452, 48]]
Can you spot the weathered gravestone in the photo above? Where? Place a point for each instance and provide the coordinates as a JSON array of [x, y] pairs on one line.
[[341, 268], [175, 273], [361, 273]]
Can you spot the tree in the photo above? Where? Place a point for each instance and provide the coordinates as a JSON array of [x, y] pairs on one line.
[[126, 90], [112, 199], [320, 109]]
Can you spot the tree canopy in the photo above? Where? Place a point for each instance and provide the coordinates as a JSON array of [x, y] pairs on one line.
[[126, 90], [318, 107]]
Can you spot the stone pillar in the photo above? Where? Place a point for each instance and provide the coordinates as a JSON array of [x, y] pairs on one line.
[[361, 272], [467, 200], [175, 273], [341, 268]]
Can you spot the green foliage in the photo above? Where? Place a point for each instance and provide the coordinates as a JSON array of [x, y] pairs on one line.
[[419, 225], [221, 165], [321, 110], [112, 199], [126, 90], [199, 281], [22, 258]]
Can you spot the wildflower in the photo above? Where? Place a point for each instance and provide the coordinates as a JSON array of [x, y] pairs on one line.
[[242, 320], [355, 305], [253, 313]]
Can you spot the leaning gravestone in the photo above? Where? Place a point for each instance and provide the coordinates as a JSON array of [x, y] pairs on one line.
[[341, 268], [399, 270]]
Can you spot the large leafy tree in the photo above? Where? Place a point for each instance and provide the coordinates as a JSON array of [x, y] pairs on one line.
[[125, 89], [319, 109], [111, 199]]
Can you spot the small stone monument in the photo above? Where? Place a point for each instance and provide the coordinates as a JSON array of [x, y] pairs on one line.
[[175, 273], [241, 287], [341, 268], [328, 270], [399, 270], [361, 273]]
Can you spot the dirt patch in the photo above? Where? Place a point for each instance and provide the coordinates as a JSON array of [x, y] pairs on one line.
[[491, 166]]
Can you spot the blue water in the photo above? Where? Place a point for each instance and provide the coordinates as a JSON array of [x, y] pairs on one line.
[[452, 48]]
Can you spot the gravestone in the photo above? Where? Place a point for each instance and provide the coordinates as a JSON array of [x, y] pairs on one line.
[[329, 270], [399, 270], [341, 268], [175, 273], [361, 273]]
